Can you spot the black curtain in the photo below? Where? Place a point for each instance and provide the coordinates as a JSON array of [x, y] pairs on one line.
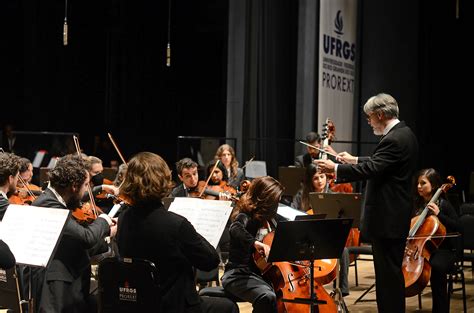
[[270, 88]]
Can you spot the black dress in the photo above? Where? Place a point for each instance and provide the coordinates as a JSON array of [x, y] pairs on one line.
[[442, 260], [242, 277]]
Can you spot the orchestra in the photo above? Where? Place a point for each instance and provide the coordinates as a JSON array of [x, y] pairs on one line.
[[144, 228]]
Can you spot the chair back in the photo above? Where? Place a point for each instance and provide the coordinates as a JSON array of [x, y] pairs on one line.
[[128, 285], [467, 224]]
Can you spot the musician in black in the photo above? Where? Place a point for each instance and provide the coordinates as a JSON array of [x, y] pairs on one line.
[[148, 231], [427, 182], [7, 259], [9, 171], [251, 219], [188, 174]]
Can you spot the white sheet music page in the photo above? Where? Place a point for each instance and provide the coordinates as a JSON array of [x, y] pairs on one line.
[[32, 232], [289, 212], [208, 217]]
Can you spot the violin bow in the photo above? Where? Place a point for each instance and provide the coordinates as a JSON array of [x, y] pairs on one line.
[[248, 162], [28, 190], [452, 235], [209, 178], [116, 148], [89, 190], [119, 153], [322, 150]]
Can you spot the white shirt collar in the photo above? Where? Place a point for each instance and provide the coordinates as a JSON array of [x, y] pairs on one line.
[[3, 194], [390, 125], [58, 196]]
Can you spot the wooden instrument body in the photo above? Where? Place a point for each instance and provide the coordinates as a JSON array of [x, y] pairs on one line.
[[416, 267], [292, 280]]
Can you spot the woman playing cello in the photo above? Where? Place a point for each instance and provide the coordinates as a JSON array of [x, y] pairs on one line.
[[427, 181], [250, 223], [315, 181]]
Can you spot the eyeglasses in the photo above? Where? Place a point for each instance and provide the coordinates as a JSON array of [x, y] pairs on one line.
[[368, 116]]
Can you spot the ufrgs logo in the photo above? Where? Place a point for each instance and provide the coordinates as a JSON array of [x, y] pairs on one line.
[[338, 74], [337, 47], [338, 23], [127, 293]]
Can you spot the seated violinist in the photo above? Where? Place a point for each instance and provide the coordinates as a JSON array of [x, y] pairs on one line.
[[26, 191], [218, 180], [188, 174], [100, 186], [9, 171], [226, 154], [64, 286], [315, 181], [250, 223], [122, 169]]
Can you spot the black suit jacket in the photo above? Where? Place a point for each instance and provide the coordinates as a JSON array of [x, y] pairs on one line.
[[173, 245], [3, 206], [7, 259], [388, 201], [179, 191], [303, 160], [71, 261]]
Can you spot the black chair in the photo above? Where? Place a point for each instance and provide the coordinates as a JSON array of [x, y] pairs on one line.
[[205, 278], [218, 292], [128, 285], [457, 273], [363, 249], [467, 223]]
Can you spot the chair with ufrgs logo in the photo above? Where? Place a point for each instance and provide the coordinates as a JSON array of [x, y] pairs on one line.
[[128, 285]]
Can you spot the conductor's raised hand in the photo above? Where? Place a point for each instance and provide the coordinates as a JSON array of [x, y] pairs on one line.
[[325, 166], [345, 157]]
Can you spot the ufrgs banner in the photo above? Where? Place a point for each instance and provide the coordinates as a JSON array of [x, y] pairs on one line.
[[337, 51]]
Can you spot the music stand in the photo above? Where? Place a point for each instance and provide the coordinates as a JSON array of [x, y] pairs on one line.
[[309, 240], [337, 205], [291, 178]]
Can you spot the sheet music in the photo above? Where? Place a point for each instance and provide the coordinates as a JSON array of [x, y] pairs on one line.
[[288, 212], [208, 217], [32, 232], [38, 158], [114, 209]]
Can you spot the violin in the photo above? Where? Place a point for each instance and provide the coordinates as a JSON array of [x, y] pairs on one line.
[[292, 280], [85, 214], [424, 229], [25, 195], [104, 194], [212, 192]]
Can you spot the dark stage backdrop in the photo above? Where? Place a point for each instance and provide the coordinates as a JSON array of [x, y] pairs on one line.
[[113, 72]]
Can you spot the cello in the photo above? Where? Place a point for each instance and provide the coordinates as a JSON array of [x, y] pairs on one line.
[[291, 280], [426, 234]]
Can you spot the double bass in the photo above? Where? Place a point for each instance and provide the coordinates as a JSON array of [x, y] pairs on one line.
[[426, 234], [329, 134], [292, 280]]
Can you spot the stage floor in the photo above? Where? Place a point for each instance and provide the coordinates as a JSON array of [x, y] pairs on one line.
[[366, 279]]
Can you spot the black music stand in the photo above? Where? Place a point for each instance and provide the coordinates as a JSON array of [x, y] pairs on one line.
[[309, 240], [337, 205]]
